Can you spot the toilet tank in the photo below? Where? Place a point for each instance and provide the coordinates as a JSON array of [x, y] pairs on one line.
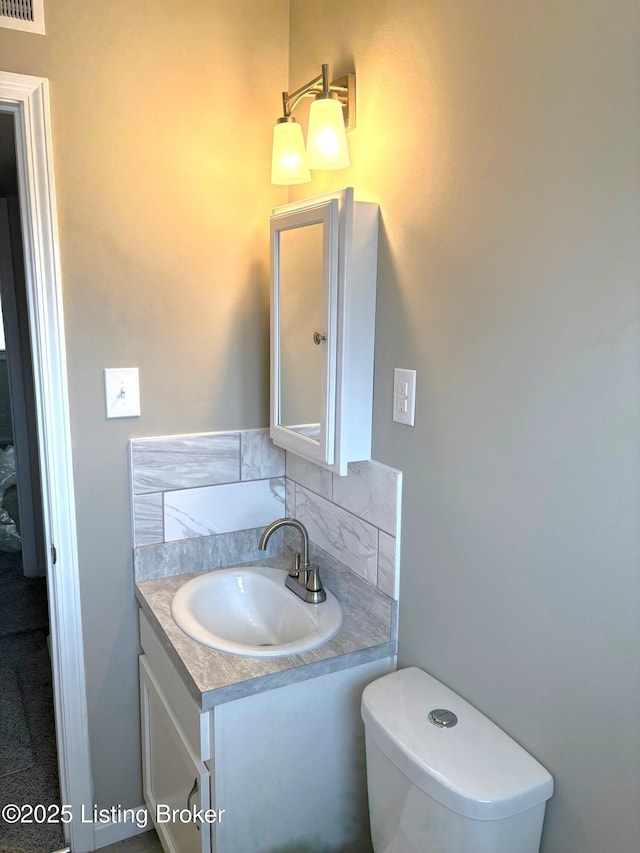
[[458, 784]]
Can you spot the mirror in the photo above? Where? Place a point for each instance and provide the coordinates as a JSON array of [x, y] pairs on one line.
[[304, 283], [302, 329]]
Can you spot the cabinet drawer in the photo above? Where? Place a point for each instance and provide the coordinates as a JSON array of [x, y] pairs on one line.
[[173, 779], [194, 723]]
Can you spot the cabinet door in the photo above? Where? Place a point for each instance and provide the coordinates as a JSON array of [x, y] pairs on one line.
[[323, 302], [304, 335], [173, 779]]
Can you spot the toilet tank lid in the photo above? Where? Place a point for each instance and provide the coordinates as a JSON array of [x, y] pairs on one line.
[[473, 768]]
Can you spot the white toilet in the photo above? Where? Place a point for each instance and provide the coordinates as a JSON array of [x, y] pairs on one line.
[[442, 778]]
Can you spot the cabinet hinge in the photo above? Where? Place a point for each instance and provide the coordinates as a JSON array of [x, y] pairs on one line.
[[54, 555]]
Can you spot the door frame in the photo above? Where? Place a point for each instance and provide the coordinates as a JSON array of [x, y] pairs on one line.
[[27, 98]]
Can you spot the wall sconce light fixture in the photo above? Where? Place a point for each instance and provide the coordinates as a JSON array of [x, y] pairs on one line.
[[333, 110]]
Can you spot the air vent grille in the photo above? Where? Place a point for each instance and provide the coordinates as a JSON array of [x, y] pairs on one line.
[[22, 15], [22, 9]]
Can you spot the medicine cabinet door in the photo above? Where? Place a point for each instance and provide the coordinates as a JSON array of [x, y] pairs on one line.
[[304, 284]]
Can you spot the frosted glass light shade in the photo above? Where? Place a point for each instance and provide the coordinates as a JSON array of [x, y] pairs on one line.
[[326, 137], [288, 157]]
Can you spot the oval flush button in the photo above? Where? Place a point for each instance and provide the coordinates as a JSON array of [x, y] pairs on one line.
[[442, 718]]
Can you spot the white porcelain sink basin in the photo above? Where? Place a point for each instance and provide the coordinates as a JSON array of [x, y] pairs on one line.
[[248, 611]]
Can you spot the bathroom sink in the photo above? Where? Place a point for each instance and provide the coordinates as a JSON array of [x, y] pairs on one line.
[[248, 611]]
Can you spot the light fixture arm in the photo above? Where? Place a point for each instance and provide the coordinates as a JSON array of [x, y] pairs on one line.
[[291, 100], [343, 89]]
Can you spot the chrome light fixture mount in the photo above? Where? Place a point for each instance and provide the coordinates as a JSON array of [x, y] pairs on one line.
[[332, 112]]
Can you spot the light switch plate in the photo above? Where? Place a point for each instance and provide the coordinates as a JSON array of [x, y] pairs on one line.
[[404, 396], [122, 392]]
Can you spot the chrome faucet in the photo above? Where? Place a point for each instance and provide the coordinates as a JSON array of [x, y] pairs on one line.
[[304, 578]]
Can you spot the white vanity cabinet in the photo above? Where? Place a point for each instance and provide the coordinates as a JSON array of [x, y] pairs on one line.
[[281, 769], [173, 778], [176, 744], [323, 299]]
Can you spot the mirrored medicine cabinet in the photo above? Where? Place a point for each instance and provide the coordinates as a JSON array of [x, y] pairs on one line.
[[323, 298]]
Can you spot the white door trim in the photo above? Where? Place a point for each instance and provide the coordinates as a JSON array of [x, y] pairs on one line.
[[28, 99]]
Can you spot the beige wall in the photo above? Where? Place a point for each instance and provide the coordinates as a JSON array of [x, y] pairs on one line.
[[501, 141], [162, 116]]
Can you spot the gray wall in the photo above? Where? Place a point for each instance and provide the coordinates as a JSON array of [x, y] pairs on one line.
[[502, 142], [162, 117]]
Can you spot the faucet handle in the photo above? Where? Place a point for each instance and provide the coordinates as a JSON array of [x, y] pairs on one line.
[[314, 584]]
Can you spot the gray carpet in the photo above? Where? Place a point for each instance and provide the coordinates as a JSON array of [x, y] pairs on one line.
[[23, 601], [28, 761], [15, 741]]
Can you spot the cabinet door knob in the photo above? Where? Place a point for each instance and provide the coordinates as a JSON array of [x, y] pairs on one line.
[[191, 794], [318, 337]]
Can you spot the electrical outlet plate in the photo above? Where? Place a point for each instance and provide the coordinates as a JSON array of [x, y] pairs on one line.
[[404, 396], [122, 392]]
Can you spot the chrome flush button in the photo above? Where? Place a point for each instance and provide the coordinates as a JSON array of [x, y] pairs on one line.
[[442, 718]]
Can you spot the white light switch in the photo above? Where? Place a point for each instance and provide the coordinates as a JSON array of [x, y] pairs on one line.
[[404, 396], [122, 392]]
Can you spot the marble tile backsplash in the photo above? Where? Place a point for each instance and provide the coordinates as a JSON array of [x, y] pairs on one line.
[[184, 461], [189, 513], [355, 519], [202, 501]]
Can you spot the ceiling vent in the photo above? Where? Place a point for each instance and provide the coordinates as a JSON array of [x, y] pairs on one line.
[[25, 15]]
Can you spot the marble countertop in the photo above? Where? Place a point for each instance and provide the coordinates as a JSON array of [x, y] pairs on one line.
[[368, 633]]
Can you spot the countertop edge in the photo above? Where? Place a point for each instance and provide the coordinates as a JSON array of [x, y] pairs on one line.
[[295, 674]]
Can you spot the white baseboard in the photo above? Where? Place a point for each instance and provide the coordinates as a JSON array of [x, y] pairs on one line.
[[129, 822]]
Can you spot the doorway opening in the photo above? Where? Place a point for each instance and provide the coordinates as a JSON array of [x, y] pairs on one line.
[[28, 755]]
